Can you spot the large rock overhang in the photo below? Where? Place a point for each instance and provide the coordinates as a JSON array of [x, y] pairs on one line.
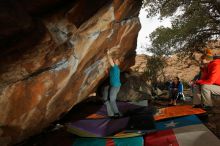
[[53, 55]]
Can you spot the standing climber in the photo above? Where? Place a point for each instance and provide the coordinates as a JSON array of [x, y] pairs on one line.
[[110, 92]]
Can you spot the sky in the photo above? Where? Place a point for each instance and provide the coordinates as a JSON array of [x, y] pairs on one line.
[[148, 25]]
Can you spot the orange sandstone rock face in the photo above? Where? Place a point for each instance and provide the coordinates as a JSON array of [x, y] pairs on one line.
[[53, 55]]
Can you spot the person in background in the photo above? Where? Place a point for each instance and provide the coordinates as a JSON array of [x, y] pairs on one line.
[[176, 90], [110, 92], [209, 83]]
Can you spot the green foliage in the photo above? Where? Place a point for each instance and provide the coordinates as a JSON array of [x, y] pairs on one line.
[[196, 22]]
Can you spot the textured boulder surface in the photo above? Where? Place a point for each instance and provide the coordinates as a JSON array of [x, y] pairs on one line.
[[134, 88], [53, 55]]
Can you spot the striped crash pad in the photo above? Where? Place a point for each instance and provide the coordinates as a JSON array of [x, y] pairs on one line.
[[177, 111], [183, 131], [97, 127], [112, 128], [133, 141], [128, 126]]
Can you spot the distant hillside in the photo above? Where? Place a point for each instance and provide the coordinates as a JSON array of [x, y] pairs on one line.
[[184, 68]]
